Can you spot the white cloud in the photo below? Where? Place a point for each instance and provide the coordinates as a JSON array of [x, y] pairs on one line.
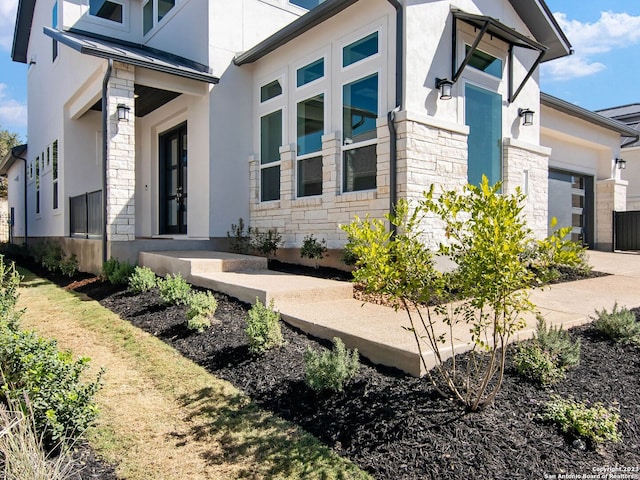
[[612, 31], [13, 114], [8, 10]]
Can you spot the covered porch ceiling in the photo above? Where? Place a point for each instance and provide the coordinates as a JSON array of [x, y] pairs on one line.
[[147, 99]]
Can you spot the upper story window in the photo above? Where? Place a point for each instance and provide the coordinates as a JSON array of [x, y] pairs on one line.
[[308, 4], [54, 25], [360, 49], [270, 90], [485, 62], [153, 11], [309, 73], [106, 9]]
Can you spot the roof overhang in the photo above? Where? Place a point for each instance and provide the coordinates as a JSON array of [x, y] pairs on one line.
[[306, 22], [544, 27], [588, 116], [22, 30], [132, 54], [16, 153]]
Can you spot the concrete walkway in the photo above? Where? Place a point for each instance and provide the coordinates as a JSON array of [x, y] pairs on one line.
[[326, 308]]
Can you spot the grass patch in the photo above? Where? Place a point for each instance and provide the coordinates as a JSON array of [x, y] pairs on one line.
[[162, 416]]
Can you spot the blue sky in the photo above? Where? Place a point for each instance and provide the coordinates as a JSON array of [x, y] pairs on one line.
[[605, 35]]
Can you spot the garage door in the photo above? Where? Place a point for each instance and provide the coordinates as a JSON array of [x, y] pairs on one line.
[[571, 202]]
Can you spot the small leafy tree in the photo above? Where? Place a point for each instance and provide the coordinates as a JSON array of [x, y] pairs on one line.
[[486, 236], [265, 243], [313, 249]]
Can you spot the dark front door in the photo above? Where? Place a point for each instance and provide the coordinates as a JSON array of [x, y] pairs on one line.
[[173, 180]]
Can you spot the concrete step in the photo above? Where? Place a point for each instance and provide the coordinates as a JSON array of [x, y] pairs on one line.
[[268, 285], [190, 263]]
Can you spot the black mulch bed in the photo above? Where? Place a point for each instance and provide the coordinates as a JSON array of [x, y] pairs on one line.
[[395, 426]]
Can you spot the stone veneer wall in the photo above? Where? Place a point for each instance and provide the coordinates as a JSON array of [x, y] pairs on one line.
[[430, 152], [322, 215], [611, 195], [633, 203], [527, 166], [121, 156]]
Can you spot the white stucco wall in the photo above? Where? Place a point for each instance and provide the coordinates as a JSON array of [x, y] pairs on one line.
[[429, 42]]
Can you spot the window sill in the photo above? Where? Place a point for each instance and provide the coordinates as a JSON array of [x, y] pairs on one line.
[[311, 201], [346, 197]]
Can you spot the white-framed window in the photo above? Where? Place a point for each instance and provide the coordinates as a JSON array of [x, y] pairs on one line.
[[306, 4], [153, 12], [310, 126], [54, 25], [54, 168], [38, 183], [270, 142], [110, 10], [361, 89]]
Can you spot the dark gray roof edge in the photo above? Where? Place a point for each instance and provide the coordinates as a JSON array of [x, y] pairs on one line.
[[552, 20], [587, 115], [306, 22], [187, 61], [22, 30], [63, 37], [9, 159]]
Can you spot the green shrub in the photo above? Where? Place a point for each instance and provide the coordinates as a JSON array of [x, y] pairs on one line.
[[142, 280], [618, 325], [52, 256], [46, 382], [174, 290], [239, 239], [595, 423], [69, 266], [263, 328], [557, 343], [330, 369], [9, 283], [546, 358], [266, 243], [555, 254], [313, 248], [532, 362], [117, 272], [201, 307], [198, 323]]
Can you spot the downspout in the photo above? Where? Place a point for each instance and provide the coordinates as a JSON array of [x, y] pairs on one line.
[[105, 141], [393, 149], [26, 228]]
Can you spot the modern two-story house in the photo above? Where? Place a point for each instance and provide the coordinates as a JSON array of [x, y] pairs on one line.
[[156, 124]]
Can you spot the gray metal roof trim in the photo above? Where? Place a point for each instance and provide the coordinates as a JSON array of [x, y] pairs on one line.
[[544, 27], [587, 115], [306, 22], [22, 30], [129, 54], [9, 159]]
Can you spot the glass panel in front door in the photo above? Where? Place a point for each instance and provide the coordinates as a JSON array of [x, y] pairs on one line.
[[173, 167]]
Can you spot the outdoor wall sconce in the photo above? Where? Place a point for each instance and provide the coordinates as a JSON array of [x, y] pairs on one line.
[[527, 116], [622, 164], [123, 113], [444, 85]]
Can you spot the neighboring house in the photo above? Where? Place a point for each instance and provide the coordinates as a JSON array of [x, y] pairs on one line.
[[630, 115], [157, 124]]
